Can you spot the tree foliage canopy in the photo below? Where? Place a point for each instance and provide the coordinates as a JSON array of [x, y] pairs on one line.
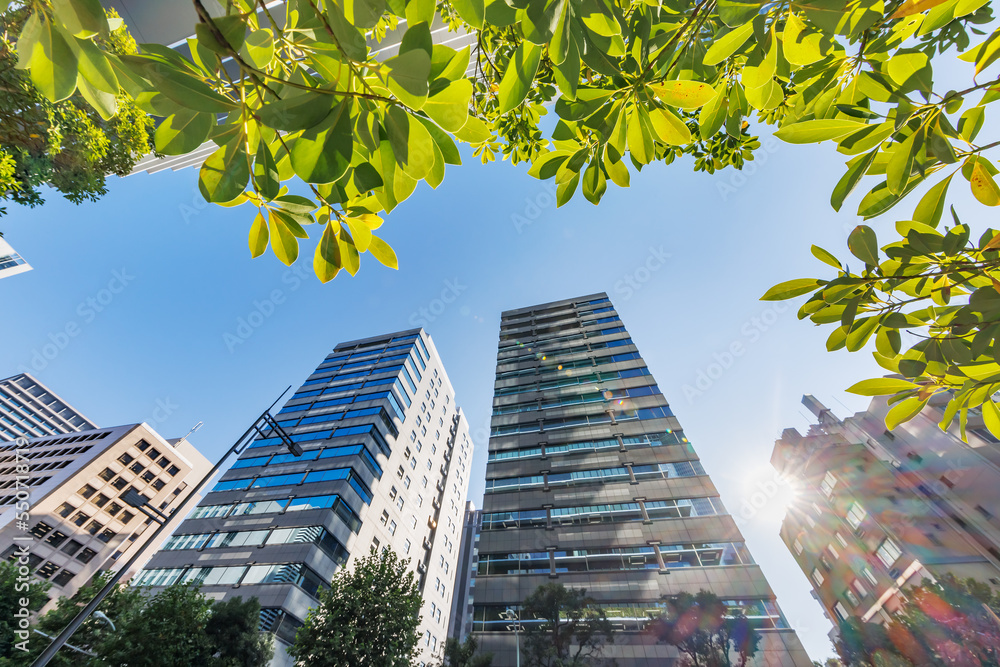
[[176, 626], [66, 144], [706, 632], [944, 622], [632, 82], [464, 654], [368, 617], [573, 629]]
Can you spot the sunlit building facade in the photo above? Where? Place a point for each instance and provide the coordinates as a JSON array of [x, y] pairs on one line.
[[592, 483], [878, 511], [385, 461]]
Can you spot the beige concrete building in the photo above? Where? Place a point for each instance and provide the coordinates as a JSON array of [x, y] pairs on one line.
[[66, 508], [879, 511]]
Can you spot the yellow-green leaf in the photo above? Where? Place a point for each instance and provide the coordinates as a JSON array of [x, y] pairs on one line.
[[258, 236], [683, 94], [381, 251]]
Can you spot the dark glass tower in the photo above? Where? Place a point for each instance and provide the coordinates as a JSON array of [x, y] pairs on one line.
[[592, 483]]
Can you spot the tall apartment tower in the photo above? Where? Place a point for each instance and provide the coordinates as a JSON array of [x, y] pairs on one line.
[[465, 573], [591, 483], [879, 511], [29, 409], [78, 523], [385, 465]]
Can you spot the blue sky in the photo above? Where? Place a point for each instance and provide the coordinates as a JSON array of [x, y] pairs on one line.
[[167, 345]]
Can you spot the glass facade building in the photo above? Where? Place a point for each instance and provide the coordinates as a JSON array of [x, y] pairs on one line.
[[385, 465], [592, 483], [29, 409]]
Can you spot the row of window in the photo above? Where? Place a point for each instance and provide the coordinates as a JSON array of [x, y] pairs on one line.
[[280, 505], [593, 378], [340, 431], [268, 481], [543, 343], [577, 399], [244, 575], [553, 424], [608, 513], [615, 559], [314, 455], [552, 313], [669, 437], [602, 475], [247, 538], [574, 349], [631, 616], [569, 365]]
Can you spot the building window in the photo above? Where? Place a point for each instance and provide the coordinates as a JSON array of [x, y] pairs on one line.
[[399, 503], [125, 459], [833, 551], [855, 515], [107, 474], [71, 547], [136, 467], [870, 576], [63, 578], [392, 493], [47, 570], [841, 611], [385, 517], [888, 552], [158, 484], [392, 527], [56, 538], [119, 483], [817, 577], [142, 445], [80, 518], [173, 470], [406, 547], [101, 500], [93, 527], [153, 454], [87, 490], [406, 482], [827, 484], [840, 538], [86, 555], [859, 588], [798, 547], [65, 510]]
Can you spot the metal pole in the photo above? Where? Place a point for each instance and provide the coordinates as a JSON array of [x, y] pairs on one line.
[[78, 620]]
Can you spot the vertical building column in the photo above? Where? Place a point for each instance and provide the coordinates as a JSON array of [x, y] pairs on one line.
[[552, 562], [621, 442], [545, 480], [548, 516], [659, 557], [631, 474], [544, 453], [642, 508]]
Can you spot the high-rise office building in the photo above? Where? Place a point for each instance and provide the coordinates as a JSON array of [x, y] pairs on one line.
[[74, 483], [591, 483], [11, 263], [28, 409], [465, 573], [878, 511], [385, 465]]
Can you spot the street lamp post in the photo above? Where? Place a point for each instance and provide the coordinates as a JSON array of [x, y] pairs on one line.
[[511, 617], [264, 422]]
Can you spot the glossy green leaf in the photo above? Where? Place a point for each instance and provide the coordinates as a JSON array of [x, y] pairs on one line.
[[94, 66], [931, 205], [326, 259], [813, 131], [296, 112], [322, 153], [189, 91], [364, 13], [725, 46], [224, 175], [412, 144], [258, 236], [449, 107], [265, 173], [51, 61], [472, 12], [856, 168], [258, 48], [381, 251], [825, 257], [407, 79], [683, 94], [864, 244], [791, 289], [518, 76], [594, 183], [903, 411], [735, 13], [82, 18], [283, 240], [183, 132], [669, 127]]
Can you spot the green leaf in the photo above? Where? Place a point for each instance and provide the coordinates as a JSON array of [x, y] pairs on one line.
[[265, 173], [856, 168], [472, 12], [864, 244], [860, 332], [104, 103], [735, 13], [713, 115], [802, 46], [813, 131], [594, 183], [51, 61], [183, 132], [449, 107], [931, 205], [323, 153], [258, 236], [327, 260], [725, 46], [412, 144], [519, 75], [826, 257], [82, 18], [283, 241], [903, 411], [407, 79], [381, 251], [363, 13], [94, 66], [349, 38], [991, 417], [188, 91], [360, 234], [232, 28], [887, 342], [984, 188], [683, 94], [298, 112], [901, 164], [669, 127], [258, 49], [225, 173], [640, 136], [791, 289]]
